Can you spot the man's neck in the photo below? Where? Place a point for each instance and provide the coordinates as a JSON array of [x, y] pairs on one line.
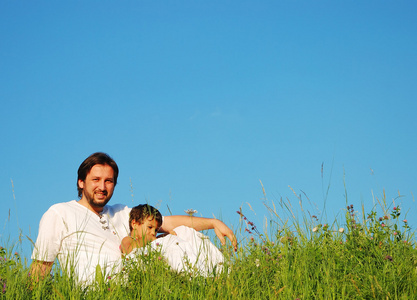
[[95, 209]]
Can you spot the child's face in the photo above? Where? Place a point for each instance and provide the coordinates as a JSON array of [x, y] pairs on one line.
[[145, 231]]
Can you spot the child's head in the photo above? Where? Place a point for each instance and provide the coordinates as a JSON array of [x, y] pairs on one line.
[[143, 212]]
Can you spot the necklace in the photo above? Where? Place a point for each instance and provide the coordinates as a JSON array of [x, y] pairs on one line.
[[103, 221]]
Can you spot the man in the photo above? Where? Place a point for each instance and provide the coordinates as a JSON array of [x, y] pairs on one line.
[[85, 235]]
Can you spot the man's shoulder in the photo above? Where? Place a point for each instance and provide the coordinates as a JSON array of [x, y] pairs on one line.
[[117, 206], [61, 210], [63, 205], [117, 209], [65, 208]]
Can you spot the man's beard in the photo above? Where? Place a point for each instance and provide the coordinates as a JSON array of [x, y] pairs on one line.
[[93, 202]]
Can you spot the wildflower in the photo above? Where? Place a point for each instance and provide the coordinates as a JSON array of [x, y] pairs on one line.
[[405, 221], [341, 230], [257, 262], [108, 277], [315, 229], [395, 208], [190, 212], [383, 225], [388, 257], [386, 217], [395, 233], [159, 258]]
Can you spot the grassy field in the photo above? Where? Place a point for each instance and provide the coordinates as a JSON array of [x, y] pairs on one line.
[[366, 255]]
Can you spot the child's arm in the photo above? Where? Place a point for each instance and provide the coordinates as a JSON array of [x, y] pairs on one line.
[[127, 245]]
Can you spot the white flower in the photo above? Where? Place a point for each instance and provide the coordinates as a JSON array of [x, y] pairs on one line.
[[315, 229], [190, 211], [341, 230], [257, 262]]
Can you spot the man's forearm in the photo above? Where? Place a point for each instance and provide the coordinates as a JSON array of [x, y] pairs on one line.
[[198, 223], [39, 269]]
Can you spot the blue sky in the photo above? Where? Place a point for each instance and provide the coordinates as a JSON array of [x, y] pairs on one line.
[[197, 101]]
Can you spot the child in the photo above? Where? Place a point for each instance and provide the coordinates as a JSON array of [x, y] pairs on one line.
[[144, 223], [184, 249]]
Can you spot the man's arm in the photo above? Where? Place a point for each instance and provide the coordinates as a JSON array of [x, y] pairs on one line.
[[47, 244], [221, 229], [39, 269]]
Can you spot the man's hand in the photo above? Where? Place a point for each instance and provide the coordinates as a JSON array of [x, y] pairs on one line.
[[40, 269], [198, 223], [222, 230]]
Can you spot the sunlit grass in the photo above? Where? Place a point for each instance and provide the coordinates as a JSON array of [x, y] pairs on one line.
[[360, 255]]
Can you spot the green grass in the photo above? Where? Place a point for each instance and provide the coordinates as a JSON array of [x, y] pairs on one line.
[[363, 256]]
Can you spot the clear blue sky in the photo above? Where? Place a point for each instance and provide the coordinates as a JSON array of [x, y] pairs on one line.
[[199, 100]]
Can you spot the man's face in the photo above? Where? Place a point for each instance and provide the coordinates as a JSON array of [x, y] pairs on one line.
[[146, 231], [98, 186]]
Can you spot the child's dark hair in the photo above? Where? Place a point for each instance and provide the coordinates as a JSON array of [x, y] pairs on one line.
[[141, 212]]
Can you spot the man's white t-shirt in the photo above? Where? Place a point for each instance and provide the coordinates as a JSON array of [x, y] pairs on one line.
[[81, 239]]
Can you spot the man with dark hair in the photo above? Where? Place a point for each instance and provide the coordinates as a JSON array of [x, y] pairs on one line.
[[98, 158], [85, 235]]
